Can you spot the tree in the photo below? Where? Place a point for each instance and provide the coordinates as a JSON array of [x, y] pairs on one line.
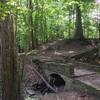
[[31, 24], [78, 26], [9, 62], [10, 90]]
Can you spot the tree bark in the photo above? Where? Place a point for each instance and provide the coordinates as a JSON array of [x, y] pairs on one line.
[[79, 30], [9, 61], [31, 25]]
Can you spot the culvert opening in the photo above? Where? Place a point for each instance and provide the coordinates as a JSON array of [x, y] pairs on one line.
[[56, 80]]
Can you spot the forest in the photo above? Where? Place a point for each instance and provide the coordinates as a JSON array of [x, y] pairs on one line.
[[49, 49]]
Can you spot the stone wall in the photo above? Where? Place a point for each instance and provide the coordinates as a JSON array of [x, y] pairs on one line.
[[59, 68]]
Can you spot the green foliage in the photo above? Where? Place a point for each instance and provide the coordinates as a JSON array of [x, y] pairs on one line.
[[6, 8], [52, 19]]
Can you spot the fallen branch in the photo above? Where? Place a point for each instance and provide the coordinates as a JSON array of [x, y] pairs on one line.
[[85, 53], [77, 76], [44, 80]]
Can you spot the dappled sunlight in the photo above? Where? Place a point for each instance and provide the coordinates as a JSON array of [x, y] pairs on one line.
[[63, 52], [44, 47], [71, 52], [53, 43], [57, 53]]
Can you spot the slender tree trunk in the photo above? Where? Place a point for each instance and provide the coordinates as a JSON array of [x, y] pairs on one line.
[[9, 61], [31, 25], [69, 30], [79, 30]]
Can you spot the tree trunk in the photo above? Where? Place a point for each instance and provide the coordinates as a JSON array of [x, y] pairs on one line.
[[9, 62], [31, 25], [79, 30]]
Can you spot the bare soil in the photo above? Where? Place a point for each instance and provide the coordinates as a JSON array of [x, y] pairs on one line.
[[64, 48], [71, 95], [93, 80], [94, 59]]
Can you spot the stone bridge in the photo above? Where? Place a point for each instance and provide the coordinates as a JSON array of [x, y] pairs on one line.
[[73, 72]]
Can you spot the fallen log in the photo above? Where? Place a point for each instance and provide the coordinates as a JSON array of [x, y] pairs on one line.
[[87, 66], [85, 53]]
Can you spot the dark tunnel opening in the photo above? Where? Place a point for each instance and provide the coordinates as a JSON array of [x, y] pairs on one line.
[[56, 80]]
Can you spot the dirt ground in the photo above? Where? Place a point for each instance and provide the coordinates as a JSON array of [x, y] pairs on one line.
[[64, 48], [71, 95]]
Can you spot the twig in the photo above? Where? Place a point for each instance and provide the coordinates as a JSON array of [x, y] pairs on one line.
[[43, 79]]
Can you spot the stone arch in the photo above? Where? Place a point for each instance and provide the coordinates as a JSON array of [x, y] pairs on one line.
[[56, 80]]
